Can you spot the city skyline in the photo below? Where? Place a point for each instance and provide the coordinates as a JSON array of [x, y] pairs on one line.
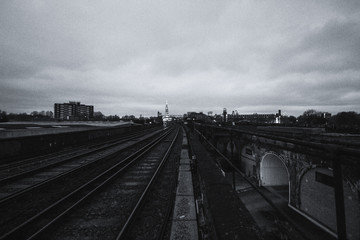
[[128, 58], [213, 111], [167, 112]]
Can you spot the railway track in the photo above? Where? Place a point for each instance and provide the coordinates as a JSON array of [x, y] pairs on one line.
[[153, 221], [16, 167], [108, 188], [58, 148], [39, 174]]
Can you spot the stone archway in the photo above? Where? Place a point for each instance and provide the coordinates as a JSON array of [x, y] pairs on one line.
[[273, 171], [274, 175]]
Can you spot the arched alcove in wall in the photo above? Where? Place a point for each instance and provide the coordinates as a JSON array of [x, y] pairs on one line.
[[273, 171]]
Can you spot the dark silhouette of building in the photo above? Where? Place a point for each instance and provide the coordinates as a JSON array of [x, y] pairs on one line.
[[256, 117], [197, 116], [73, 111], [224, 115]]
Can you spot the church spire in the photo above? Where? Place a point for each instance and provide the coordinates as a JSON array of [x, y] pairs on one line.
[[166, 109]]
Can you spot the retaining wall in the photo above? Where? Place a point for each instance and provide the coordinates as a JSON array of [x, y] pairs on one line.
[[11, 148]]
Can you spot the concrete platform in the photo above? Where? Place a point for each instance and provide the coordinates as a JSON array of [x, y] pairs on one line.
[[185, 184], [14, 133], [184, 230], [185, 167], [184, 161], [184, 208], [184, 224], [184, 154], [22, 129]]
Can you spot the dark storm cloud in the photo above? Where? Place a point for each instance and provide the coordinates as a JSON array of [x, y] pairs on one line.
[[33, 39], [333, 47], [322, 67], [129, 57]]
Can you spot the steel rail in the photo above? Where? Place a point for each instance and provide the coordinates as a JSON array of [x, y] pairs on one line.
[[141, 200], [61, 175], [53, 164], [128, 161], [28, 161], [33, 155]]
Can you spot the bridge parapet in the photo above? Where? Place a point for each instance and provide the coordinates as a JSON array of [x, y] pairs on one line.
[[323, 175]]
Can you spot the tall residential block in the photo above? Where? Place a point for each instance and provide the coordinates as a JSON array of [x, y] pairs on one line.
[[73, 111]]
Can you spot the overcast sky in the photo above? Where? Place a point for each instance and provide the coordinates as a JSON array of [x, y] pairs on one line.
[[129, 57]]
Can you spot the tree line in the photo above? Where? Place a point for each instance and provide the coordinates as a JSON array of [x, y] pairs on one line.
[[49, 116], [33, 116], [347, 122]]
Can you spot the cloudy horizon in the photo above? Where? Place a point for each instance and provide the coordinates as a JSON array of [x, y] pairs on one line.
[[129, 57]]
